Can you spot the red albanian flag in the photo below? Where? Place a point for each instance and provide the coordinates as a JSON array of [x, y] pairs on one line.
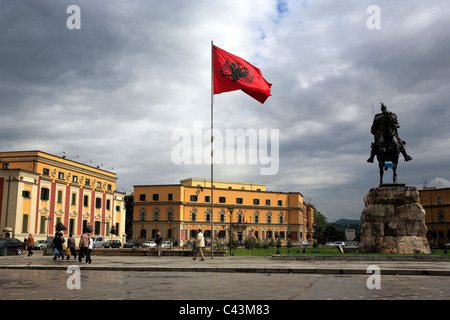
[[234, 73]]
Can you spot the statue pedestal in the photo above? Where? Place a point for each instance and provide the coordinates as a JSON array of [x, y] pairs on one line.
[[393, 221]]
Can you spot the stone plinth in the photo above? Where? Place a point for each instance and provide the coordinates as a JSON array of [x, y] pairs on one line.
[[393, 221]]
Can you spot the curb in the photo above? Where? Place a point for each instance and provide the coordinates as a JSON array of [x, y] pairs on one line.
[[334, 271], [386, 258]]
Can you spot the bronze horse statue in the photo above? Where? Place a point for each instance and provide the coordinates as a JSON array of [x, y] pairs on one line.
[[388, 150], [387, 145]]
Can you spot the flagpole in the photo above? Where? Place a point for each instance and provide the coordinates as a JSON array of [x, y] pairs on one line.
[[212, 150]]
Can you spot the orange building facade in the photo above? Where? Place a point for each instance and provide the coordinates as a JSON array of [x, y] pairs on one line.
[[436, 203], [38, 190], [245, 210]]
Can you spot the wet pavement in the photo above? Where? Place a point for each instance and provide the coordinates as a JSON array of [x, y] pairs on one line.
[[221, 279], [247, 264]]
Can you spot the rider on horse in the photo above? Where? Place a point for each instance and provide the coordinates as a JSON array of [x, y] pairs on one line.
[[377, 129]]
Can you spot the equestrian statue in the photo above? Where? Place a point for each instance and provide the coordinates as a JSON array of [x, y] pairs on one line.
[[387, 145]]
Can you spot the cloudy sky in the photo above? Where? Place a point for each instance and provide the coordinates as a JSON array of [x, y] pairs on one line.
[[128, 88]]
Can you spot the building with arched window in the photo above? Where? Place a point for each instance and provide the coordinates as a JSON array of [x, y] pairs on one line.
[[436, 202], [245, 210], [39, 190]]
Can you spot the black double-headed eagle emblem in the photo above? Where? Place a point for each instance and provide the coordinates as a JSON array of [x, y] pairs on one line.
[[234, 71]]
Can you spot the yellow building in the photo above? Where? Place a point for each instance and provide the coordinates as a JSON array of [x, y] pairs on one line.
[[38, 190], [177, 211], [436, 203]]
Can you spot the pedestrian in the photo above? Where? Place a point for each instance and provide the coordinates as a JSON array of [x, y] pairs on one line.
[[83, 246], [158, 242], [199, 245], [30, 243], [89, 250], [57, 245], [71, 247]]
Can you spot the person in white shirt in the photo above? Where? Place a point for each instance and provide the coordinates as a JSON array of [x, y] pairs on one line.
[[199, 245], [88, 254]]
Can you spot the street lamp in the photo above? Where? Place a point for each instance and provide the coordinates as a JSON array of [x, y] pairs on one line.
[[230, 209]]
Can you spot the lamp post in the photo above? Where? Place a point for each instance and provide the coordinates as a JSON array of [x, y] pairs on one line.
[[230, 209], [170, 219], [48, 218]]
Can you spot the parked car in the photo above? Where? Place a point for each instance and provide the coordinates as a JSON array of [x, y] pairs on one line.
[[132, 244], [113, 244], [336, 244], [99, 242], [149, 244], [167, 244], [300, 243], [297, 244], [40, 244], [351, 244], [12, 245], [447, 245], [188, 244]]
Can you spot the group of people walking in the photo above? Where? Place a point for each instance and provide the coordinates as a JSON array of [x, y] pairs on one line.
[[86, 245]]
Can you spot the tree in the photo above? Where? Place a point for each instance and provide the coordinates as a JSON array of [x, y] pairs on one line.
[[60, 227], [320, 227], [87, 229]]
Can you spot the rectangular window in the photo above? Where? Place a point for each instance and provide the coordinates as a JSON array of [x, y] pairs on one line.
[[170, 197], [87, 182], [74, 198], [71, 225], [97, 225], [207, 198], [239, 201], [75, 179], [267, 202], [222, 199], [61, 175], [117, 208], [98, 203], [256, 202], [42, 225], [46, 172], [280, 203], [60, 196], [142, 197], [86, 201], [25, 223], [26, 194], [156, 197], [45, 193], [108, 204], [194, 197]]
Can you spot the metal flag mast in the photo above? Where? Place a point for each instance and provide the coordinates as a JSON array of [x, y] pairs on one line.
[[212, 149]]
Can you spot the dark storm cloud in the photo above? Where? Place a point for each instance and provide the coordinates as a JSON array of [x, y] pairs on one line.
[[114, 91]]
